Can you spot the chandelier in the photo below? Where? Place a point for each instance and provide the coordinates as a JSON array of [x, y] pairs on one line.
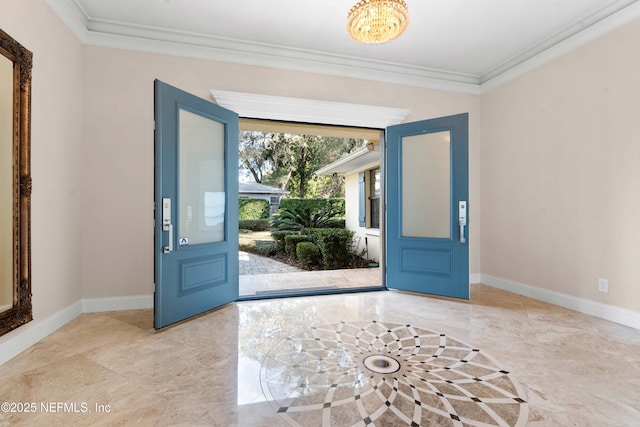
[[377, 21]]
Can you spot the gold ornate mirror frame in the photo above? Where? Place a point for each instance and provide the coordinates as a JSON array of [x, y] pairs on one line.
[[19, 312]]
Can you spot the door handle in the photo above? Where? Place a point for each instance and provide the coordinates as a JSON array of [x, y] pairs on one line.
[[166, 223], [462, 219], [169, 248]]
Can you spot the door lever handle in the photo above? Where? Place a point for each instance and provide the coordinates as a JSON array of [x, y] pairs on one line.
[[169, 248], [462, 219], [166, 223]]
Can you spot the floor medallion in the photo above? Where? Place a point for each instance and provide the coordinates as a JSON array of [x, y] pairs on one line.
[[387, 374]]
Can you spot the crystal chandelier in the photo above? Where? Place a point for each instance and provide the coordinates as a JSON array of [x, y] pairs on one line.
[[377, 21]]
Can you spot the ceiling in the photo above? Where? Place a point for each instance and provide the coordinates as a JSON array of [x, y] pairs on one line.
[[461, 45]]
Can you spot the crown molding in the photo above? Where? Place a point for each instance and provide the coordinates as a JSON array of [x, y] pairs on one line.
[[597, 19], [518, 67], [153, 40], [309, 110], [72, 16], [272, 56]]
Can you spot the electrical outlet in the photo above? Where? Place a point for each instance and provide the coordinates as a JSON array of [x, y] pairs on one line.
[[603, 285]]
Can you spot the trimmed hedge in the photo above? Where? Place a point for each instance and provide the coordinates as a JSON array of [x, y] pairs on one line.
[[253, 209], [254, 224], [266, 247], [332, 248], [308, 253], [291, 242], [279, 237], [336, 246]]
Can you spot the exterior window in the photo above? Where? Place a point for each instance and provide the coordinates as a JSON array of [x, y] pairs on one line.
[[374, 198]]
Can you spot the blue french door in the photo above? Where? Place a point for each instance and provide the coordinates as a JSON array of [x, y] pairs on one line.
[[427, 194], [196, 200]]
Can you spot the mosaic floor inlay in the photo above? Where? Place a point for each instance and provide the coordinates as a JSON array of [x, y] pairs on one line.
[[384, 374]]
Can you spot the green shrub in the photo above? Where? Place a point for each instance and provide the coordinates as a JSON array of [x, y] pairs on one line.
[[308, 253], [292, 240], [266, 247], [253, 209], [279, 236], [336, 246], [254, 224], [336, 223]]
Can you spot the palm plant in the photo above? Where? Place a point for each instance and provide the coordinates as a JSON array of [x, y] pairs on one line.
[[289, 219]]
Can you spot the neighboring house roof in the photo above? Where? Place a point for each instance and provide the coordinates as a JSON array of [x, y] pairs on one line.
[[254, 187], [365, 158]]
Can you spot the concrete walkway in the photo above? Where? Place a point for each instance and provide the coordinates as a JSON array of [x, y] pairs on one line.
[[252, 264], [263, 276]]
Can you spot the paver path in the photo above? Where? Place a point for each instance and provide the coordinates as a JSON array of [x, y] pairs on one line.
[[251, 264]]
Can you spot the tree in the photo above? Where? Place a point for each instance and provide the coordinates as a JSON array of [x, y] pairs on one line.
[[289, 161], [253, 153]]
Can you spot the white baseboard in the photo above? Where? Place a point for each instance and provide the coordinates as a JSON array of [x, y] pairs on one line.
[[97, 305], [17, 341], [593, 308]]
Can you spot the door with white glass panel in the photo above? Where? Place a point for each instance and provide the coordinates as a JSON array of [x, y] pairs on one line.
[[196, 205], [427, 234]]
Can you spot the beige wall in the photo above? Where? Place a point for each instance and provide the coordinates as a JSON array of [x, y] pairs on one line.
[[560, 176], [118, 126], [56, 152]]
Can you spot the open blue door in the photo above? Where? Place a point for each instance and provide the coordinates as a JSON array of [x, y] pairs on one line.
[[196, 199], [427, 194]]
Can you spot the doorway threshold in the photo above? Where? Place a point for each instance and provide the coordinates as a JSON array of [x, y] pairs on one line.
[[309, 292], [295, 290], [309, 283]]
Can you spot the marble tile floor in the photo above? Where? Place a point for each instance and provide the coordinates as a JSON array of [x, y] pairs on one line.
[[218, 368]]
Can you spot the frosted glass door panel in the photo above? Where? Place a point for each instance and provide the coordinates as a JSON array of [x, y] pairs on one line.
[[201, 177], [426, 185]]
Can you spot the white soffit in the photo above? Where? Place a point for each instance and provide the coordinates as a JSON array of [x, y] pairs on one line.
[[309, 110], [363, 159], [297, 128]]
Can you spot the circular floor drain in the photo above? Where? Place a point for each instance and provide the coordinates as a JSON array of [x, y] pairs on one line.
[[382, 364]]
